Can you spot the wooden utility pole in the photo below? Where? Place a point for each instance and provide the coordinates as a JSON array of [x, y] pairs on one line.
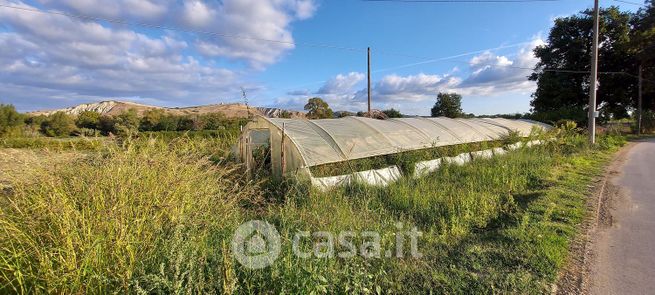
[[369, 81], [593, 80], [639, 106]]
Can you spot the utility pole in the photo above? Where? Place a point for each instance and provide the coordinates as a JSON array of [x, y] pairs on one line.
[[639, 107], [369, 82], [593, 80]]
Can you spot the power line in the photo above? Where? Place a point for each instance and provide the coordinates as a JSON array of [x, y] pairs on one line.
[[185, 30], [629, 2]]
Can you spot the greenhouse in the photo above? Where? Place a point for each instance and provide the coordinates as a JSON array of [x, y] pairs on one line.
[[293, 146]]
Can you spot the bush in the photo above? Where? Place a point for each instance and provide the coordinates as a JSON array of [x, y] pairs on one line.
[[648, 121], [393, 113], [58, 124], [88, 120], [10, 120]]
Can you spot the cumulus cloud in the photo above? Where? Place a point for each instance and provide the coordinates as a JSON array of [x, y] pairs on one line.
[[244, 20], [341, 83], [86, 60], [64, 61], [486, 74]]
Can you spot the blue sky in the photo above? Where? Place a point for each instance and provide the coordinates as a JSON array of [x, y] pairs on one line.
[[418, 49]]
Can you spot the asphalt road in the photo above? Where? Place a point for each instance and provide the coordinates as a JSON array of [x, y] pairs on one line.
[[624, 252]]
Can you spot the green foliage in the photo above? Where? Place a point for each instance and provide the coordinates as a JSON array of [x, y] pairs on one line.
[[285, 114], [53, 144], [318, 109], [214, 121], [393, 113], [566, 94], [447, 105], [157, 216], [648, 121], [127, 123], [151, 119], [58, 124], [88, 120], [106, 124], [10, 120]]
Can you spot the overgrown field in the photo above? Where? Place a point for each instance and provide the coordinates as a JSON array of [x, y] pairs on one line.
[[157, 216]]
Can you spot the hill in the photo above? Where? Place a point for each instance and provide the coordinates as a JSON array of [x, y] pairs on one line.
[[113, 107]]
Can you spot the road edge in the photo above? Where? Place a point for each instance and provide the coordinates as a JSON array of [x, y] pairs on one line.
[[573, 278]]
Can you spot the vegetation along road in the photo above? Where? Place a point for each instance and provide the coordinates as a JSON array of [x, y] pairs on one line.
[[623, 252]]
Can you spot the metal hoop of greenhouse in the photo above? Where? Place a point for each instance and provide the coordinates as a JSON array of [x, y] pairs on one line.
[[295, 145]]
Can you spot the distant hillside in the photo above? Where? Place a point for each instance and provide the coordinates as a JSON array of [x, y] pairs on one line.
[[232, 110]]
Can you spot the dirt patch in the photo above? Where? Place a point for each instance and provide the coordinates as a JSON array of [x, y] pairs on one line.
[[603, 196]]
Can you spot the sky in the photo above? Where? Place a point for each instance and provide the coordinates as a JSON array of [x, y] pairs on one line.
[[279, 53]]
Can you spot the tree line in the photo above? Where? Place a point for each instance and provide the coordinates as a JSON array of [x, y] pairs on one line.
[[90, 123]]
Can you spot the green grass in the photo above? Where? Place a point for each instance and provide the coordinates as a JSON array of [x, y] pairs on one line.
[[57, 144], [156, 216]]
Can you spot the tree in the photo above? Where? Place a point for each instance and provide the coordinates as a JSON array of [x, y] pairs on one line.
[[151, 119], [643, 39], [10, 119], [127, 123], [106, 124], [213, 121], [318, 109], [392, 113], [565, 95], [58, 124], [447, 105], [88, 119]]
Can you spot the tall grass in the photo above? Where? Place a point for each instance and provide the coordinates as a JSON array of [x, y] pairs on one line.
[[148, 216], [156, 216]]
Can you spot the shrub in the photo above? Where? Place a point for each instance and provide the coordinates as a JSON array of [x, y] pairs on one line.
[[127, 123], [648, 121], [88, 120], [10, 120], [58, 124]]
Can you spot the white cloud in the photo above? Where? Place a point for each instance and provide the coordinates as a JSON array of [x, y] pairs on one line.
[[487, 75], [245, 20], [341, 83], [68, 59]]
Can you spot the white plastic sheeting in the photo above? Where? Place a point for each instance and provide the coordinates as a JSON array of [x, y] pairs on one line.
[[335, 140], [499, 151], [385, 176], [378, 177], [460, 159], [515, 146], [424, 167], [484, 154]]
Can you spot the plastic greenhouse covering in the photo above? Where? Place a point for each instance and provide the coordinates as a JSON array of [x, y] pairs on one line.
[[335, 140], [294, 145]]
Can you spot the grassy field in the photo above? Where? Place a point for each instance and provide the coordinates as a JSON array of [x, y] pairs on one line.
[[157, 216]]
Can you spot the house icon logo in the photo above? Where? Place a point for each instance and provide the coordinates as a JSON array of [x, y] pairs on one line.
[[256, 244]]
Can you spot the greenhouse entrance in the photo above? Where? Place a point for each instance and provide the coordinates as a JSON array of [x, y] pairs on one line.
[[258, 152]]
